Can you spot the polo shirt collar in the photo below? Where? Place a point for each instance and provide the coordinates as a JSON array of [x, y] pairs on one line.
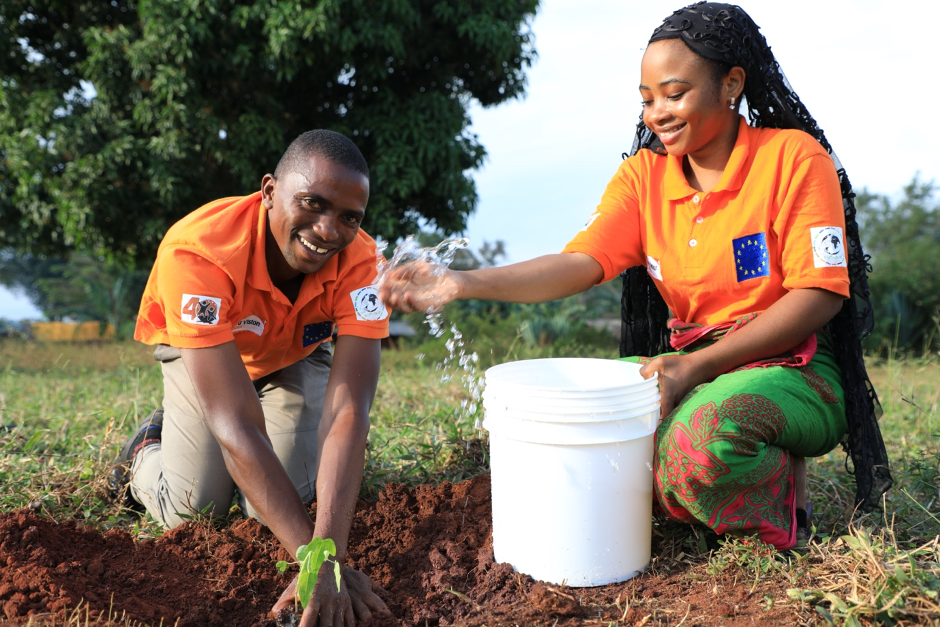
[[675, 185], [258, 268], [258, 276]]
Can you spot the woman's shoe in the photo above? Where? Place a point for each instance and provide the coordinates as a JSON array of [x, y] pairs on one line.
[[803, 523]]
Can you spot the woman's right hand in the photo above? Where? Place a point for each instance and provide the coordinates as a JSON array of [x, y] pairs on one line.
[[420, 286]]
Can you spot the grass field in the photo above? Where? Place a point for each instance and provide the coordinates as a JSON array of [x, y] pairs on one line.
[[66, 409]]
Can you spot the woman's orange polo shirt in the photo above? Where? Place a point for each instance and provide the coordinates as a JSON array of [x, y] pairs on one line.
[[773, 223], [210, 285]]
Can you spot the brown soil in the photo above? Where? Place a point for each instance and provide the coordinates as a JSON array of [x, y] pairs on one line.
[[429, 547]]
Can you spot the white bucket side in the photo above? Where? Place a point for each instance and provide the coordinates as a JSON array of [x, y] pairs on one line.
[[509, 402], [573, 433], [574, 514]]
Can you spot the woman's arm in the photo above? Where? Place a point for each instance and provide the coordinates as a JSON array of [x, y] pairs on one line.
[[422, 286], [781, 327]]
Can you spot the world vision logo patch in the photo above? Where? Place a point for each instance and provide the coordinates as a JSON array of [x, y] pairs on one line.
[[251, 323], [751, 257], [316, 332], [827, 242], [367, 304], [197, 309]]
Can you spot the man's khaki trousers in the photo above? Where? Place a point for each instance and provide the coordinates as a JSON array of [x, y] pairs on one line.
[[186, 472]]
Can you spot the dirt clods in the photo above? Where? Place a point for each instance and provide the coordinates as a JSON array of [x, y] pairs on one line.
[[428, 548]]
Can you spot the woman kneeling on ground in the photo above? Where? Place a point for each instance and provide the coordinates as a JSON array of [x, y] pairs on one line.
[[748, 233]]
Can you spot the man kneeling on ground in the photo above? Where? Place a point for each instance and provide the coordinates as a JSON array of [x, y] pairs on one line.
[[241, 305]]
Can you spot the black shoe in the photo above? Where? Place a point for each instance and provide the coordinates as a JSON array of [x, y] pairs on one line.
[[147, 433], [804, 523]]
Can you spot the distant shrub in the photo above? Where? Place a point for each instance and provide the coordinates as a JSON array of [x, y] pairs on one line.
[[903, 239]]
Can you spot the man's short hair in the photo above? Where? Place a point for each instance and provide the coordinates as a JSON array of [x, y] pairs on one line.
[[321, 143]]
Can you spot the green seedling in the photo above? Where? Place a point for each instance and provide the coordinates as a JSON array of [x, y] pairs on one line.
[[310, 557]]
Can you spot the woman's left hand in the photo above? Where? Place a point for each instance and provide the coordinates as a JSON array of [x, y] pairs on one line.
[[677, 374]]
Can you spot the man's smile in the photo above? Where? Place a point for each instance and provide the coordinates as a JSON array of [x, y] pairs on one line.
[[313, 247]]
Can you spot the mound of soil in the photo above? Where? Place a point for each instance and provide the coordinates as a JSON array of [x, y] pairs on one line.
[[429, 547]]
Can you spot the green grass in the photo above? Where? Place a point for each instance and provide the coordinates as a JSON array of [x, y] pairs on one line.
[[65, 410]]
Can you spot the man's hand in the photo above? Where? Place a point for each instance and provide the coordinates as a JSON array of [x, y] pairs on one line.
[[356, 603]]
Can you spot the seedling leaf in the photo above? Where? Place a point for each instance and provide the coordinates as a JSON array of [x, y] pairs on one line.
[[282, 566], [310, 557]]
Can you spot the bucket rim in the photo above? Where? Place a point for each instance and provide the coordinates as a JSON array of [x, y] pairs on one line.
[[508, 366]]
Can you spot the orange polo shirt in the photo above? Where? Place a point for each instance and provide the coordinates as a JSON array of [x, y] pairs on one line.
[[773, 223], [210, 285]]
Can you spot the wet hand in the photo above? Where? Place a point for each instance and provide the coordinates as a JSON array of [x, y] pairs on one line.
[[419, 286], [678, 374]]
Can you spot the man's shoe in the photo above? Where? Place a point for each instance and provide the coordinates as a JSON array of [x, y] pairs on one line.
[[147, 433]]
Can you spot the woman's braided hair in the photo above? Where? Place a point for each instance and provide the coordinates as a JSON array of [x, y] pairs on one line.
[[727, 36]]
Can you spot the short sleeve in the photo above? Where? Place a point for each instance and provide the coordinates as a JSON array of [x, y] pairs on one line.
[[811, 228], [358, 310], [194, 297], [612, 235]]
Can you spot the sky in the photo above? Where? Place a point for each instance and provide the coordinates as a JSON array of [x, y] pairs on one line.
[[866, 69]]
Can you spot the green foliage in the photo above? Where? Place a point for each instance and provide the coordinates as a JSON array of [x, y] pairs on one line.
[[310, 557], [545, 323], [903, 239], [117, 118], [82, 288]]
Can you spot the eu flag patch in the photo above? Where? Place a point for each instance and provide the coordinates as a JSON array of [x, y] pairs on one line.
[[316, 332], [751, 257]]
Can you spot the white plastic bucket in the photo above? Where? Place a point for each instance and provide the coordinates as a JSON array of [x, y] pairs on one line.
[[571, 450]]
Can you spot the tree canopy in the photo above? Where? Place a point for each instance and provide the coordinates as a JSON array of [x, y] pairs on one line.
[[118, 118]]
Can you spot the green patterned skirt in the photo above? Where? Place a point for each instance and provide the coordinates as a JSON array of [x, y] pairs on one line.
[[724, 456]]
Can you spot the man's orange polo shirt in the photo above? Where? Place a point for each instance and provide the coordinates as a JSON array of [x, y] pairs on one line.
[[773, 223], [210, 285]]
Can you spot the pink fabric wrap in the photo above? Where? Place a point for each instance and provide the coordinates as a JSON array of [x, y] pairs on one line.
[[685, 334]]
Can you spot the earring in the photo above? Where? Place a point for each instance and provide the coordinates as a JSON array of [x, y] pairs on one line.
[[732, 106]]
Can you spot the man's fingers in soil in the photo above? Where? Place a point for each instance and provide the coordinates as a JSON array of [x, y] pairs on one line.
[[312, 612], [349, 616], [287, 597], [360, 611], [363, 591]]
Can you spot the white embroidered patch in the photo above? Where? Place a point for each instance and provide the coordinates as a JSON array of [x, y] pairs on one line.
[[203, 310], [251, 323], [653, 267], [593, 217], [367, 304], [828, 247]]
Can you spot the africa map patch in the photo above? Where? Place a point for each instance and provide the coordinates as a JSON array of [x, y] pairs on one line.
[[751, 257], [367, 304], [827, 243]]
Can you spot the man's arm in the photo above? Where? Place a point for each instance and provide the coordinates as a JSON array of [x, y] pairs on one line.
[[341, 454], [234, 415], [341, 451]]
